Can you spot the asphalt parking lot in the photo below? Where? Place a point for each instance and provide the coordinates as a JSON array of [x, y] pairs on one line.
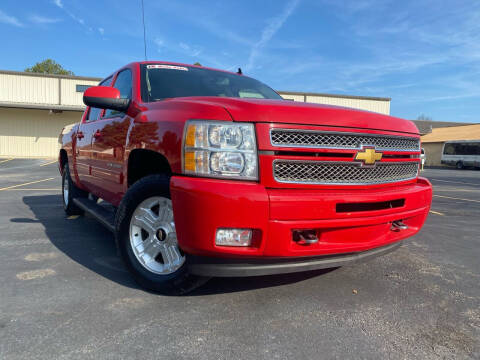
[[65, 294]]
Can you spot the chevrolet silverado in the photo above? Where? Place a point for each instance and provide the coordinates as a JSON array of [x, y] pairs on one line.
[[205, 173]]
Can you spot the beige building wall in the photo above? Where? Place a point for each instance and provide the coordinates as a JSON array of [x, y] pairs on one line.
[[70, 96], [300, 98], [378, 105], [382, 107], [32, 133], [28, 89], [31, 89], [433, 153]]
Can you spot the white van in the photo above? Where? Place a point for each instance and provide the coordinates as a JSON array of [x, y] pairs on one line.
[[461, 153]]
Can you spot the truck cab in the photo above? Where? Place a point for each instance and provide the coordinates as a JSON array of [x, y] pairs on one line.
[[211, 173]]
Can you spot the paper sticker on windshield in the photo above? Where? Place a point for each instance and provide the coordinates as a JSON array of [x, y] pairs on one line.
[[170, 67]]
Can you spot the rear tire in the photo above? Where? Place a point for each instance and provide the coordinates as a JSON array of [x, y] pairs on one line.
[[459, 165], [146, 238], [69, 192]]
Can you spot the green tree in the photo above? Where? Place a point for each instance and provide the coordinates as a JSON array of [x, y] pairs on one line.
[[49, 66], [424, 117], [197, 64]]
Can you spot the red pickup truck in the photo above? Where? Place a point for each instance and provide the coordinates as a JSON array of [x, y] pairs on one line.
[[204, 172]]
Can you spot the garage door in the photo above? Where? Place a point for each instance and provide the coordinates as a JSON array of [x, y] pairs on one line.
[[32, 133]]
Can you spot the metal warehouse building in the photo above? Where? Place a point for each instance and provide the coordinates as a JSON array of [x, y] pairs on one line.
[[35, 107], [33, 110]]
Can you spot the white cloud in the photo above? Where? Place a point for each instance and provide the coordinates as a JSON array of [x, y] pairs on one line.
[[353, 7], [405, 52], [184, 46], [197, 14], [58, 3], [79, 20], [38, 19], [101, 31], [192, 51], [269, 31], [159, 42], [189, 50], [219, 30], [10, 20]]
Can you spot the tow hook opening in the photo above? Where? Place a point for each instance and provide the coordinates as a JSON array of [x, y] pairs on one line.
[[305, 236], [398, 225]]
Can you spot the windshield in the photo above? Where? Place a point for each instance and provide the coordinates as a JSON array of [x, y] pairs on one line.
[[162, 81]]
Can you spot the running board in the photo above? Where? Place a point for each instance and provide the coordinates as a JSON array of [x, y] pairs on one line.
[[103, 215]]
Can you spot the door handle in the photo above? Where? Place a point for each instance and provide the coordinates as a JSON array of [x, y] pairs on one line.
[[97, 134], [80, 135]]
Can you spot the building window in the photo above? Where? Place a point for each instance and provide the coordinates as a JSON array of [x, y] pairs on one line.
[[82, 88]]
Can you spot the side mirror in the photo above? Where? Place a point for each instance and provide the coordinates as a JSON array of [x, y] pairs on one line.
[[105, 97]]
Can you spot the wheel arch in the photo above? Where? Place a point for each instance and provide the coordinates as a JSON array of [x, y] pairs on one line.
[[63, 159], [143, 162]]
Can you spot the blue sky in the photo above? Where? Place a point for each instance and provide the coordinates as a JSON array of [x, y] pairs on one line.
[[424, 54]]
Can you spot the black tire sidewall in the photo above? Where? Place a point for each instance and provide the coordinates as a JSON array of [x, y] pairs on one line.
[[73, 191], [153, 185], [65, 178]]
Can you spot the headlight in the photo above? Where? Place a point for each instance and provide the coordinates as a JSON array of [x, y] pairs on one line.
[[220, 149]]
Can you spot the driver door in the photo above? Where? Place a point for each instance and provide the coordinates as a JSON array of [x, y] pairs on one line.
[[83, 146], [108, 145]]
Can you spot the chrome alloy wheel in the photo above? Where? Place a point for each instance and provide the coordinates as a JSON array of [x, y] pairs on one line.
[[65, 190], [153, 237]]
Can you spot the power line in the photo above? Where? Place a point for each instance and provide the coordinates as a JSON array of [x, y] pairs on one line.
[[144, 32]]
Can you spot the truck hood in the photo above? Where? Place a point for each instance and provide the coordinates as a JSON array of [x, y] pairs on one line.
[[284, 111]]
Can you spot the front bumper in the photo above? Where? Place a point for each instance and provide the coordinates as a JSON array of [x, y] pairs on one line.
[[201, 206], [221, 267]]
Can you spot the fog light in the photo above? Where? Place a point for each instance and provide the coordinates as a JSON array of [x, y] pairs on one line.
[[233, 237]]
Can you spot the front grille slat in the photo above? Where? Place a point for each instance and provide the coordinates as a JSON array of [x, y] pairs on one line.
[[342, 173], [332, 140]]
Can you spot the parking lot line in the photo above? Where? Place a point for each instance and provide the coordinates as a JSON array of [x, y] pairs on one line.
[[28, 189], [453, 198], [48, 163], [454, 182], [457, 189], [437, 213], [5, 160], [28, 183]]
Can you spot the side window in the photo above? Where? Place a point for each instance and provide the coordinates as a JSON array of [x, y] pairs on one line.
[[449, 149], [106, 82], [473, 149], [94, 113], [124, 84], [458, 149]]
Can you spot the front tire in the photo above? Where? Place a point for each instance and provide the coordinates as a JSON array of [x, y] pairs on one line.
[[146, 238], [69, 192], [459, 165]]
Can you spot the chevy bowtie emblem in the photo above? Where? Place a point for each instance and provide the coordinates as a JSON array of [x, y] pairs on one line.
[[368, 156]]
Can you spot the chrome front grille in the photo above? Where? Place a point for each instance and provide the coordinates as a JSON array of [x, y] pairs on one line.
[[332, 140], [342, 173]]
